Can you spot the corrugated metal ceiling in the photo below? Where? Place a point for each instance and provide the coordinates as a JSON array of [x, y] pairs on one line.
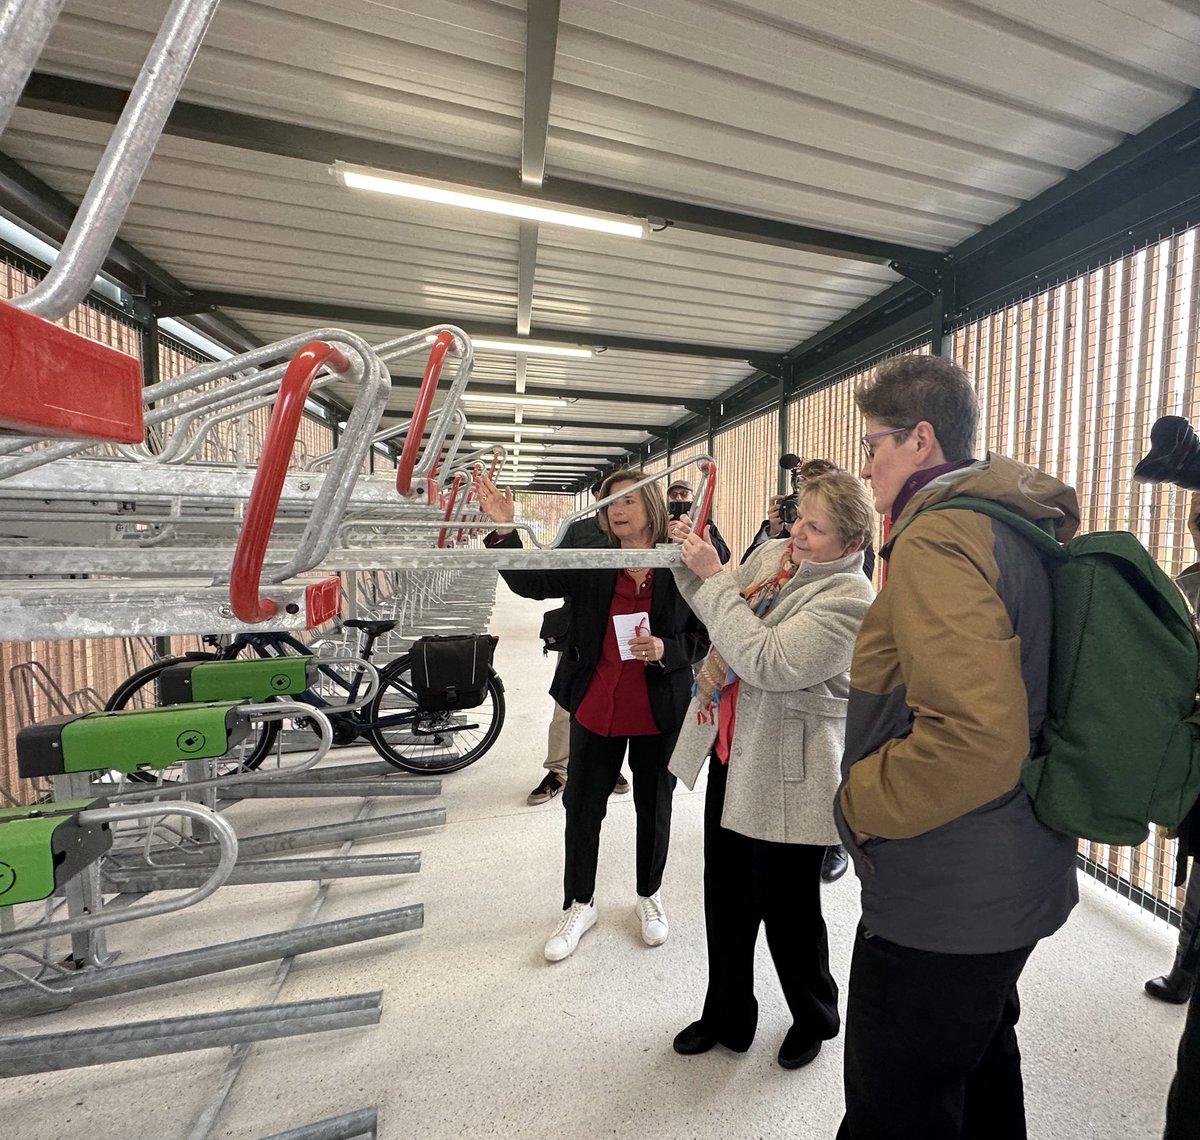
[[916, 122]]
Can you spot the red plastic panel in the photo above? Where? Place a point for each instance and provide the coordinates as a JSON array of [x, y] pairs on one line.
[[321, 601], [54, 382]]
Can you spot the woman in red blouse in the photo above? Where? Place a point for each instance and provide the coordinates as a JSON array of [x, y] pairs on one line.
[[616, 705]]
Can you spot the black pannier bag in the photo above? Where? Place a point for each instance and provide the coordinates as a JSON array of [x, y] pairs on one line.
[[451, 672], [555, 624]]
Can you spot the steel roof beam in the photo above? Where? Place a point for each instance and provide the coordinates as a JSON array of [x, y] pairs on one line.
[[207, 300], [268, 136], [541, 47], [699, 407], [1146, 187]]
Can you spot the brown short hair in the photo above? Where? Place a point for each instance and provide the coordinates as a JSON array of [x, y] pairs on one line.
[[905, 390], [655, 503], [846, 499]]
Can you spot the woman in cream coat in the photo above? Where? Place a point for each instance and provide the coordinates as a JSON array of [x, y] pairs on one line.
[[769, 716]]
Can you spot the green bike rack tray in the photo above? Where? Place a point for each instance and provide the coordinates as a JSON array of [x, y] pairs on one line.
[[43, 847], [129, 739], [236, 680]]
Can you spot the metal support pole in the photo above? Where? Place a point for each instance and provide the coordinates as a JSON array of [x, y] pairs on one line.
[[20, 1000], [944, 303], [322, 835], [51, 1052], [82, 891], [782, 431], [317, 789], [369, 769], [143, 313], [352, 1125], [142, 880]]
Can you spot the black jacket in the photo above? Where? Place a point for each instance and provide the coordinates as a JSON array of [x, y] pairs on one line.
[[590, 592]]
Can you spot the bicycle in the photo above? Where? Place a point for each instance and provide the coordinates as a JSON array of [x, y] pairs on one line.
[[405, 735]]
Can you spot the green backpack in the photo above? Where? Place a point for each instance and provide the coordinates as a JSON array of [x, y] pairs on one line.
[[1120, 745]]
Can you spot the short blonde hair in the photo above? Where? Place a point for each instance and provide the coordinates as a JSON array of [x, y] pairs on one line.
[[655, 503], [845, 498]]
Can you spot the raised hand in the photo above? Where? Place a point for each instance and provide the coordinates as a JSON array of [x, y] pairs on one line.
[[496, 504]]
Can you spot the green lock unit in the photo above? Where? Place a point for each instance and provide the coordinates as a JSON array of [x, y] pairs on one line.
[[236, 680], [129, 739], [43, 847]]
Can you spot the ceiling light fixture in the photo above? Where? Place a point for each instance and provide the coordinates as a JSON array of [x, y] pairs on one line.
[[534, 401], [530, 348], [491, 202], [519, 447], [530, 429]]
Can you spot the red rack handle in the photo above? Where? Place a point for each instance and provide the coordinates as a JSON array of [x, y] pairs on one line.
[[416, 427], [710, 487], [450, 501], [246, 574]]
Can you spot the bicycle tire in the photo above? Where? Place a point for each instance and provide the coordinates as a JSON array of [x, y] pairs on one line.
[[139, 690], [398, 746]]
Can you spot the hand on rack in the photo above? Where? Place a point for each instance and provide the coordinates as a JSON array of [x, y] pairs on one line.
[[700, 556], [496, 504], [678, 529]]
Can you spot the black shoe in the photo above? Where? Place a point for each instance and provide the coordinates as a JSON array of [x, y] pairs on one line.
[[692, 1040], [797, 1050], [834, 865], [697, 1038], [1175, 987]]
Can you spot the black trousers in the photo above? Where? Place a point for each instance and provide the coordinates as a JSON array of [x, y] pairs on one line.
[[594, 765], [931, 1044], [1183, 1102], [750, 883]]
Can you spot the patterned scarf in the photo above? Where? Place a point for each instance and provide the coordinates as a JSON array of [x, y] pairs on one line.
[[715, 674]]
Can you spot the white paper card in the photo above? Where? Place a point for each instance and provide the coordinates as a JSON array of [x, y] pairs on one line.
[[627, 627]]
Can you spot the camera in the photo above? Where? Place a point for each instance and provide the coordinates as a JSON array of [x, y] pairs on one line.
[[678, 510], [799, 470], [1174, 455]]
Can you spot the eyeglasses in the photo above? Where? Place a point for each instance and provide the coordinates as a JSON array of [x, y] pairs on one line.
[[868, 441]]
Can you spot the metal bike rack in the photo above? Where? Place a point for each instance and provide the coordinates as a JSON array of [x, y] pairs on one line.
[[52, 1052]]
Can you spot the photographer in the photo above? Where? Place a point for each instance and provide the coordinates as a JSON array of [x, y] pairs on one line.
[[1183, 1101], [680, 495]]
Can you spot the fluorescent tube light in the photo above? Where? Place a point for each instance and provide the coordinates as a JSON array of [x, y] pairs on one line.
[[535, 401], [530, 348], [469, 198], [514, 429]]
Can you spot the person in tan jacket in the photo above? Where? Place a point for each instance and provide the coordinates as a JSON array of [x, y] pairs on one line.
[[948, 689], [769, 717]]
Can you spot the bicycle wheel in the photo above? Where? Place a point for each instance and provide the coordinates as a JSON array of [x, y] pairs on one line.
[[140, 691], [430, 742]]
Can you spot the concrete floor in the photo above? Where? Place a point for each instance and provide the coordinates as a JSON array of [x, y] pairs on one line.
[[482, 1037]]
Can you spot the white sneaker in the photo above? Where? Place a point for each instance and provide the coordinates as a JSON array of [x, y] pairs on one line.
[[654, 919], [577, 920]]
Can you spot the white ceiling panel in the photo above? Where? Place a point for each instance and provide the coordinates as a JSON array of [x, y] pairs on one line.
[[916, 123]]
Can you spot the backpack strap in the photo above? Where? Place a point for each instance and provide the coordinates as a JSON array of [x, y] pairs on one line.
[[1038, 534]]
